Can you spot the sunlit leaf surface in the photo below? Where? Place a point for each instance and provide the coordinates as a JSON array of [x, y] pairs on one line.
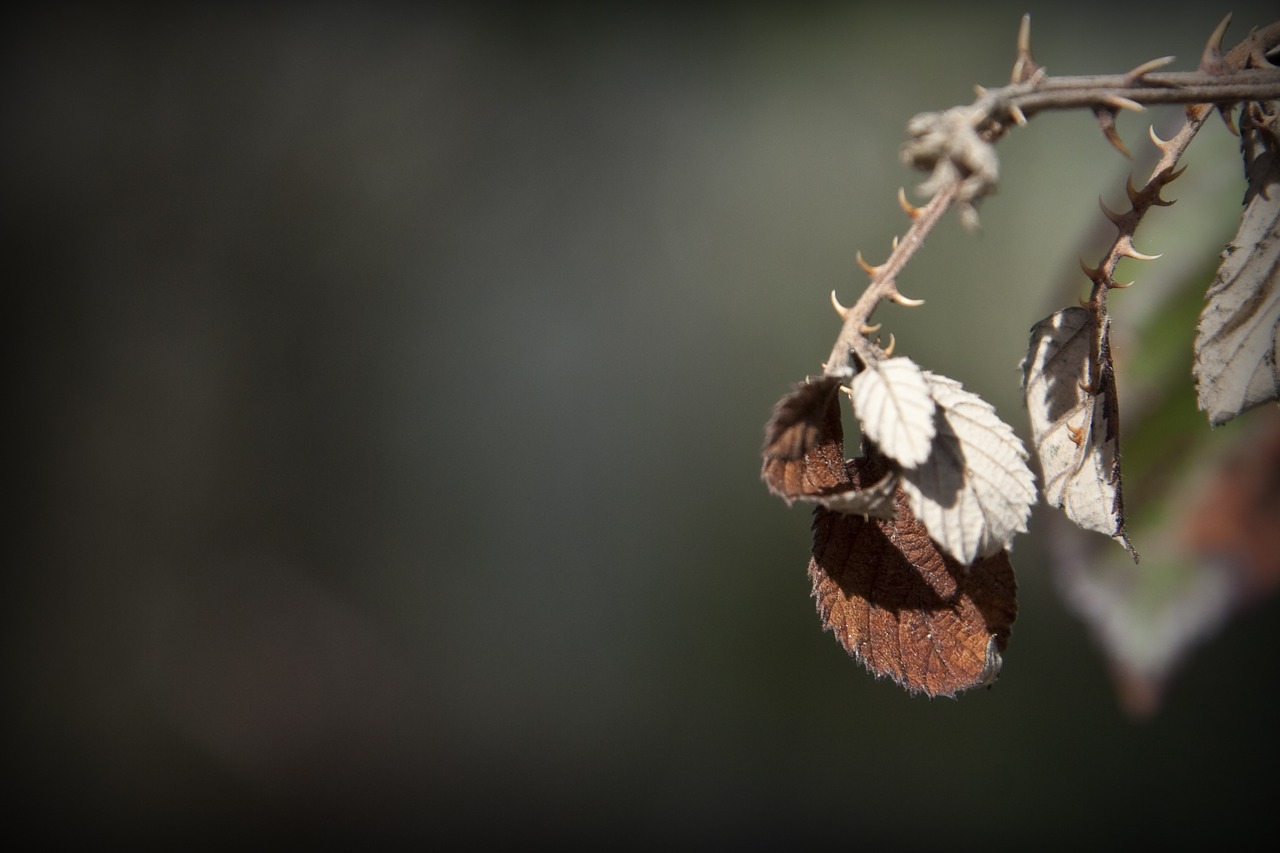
[[974, 492], [1074, 422]]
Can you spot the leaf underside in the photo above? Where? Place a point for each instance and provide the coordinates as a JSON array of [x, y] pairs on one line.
[[1238, 337], [902, 607], [974, 492], [1074, 422], [892, 401]]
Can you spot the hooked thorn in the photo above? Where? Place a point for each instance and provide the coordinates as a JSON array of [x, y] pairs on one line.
[[1093, 273], [1076, 434], [1085, 304], [1147, 67], [907, 207], [888, 351], [1088, 388], [1162, 144], [1133, 194], [1224, 110], [1116, 218], [1124, 286], [905, 301], [840, 309], [1211, 60], [1107, 122], [1130, 252], [1119, 103], [866, 267], [869, 330], [1019, 117]]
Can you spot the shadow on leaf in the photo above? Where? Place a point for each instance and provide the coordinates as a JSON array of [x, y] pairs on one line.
[[903, 608]]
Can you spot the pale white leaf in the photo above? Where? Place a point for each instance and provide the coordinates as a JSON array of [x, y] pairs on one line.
[[1238, 338], [974, 492], [1073, 422], [892, 403]]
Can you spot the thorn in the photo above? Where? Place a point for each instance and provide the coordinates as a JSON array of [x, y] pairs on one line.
[[1119, 103], [1116, 218], [1224, 110], [907, 207], [1164, 180], [1076, 434], [1147, 67], [904, 301], [1107, 121], [1019, 117], [1088, 388], [840, 309], [1124, 286], [1162, 144], [866, 267], [1092, 273], [1211, 60], [1131, 252], [870, 330], [1024, 67], [1084, 303], [888, 351], [979, 90], [1133, 194]]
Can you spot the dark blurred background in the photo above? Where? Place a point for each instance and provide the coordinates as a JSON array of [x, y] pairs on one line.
[[390, 382]]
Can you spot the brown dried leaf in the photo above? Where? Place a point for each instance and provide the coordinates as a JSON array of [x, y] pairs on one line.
[[901, 606], [804, 442]]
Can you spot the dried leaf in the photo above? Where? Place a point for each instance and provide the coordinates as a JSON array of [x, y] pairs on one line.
[[876, 499], [975, 491], [892, 402], [902, 607], [1238, 337], [804, 443], [1075, 421]]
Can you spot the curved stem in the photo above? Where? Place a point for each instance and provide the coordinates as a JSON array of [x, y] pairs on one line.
[[851, 339]]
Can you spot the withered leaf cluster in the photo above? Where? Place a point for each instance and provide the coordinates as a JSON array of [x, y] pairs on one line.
[[910, 561], [910, 565]]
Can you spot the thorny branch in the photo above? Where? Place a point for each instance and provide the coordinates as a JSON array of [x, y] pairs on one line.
[[957, 147]]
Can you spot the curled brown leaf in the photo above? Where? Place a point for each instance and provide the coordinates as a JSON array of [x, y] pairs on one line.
[[804, 442]]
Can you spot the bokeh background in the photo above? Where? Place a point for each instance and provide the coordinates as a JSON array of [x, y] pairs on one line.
[[390, 382]]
